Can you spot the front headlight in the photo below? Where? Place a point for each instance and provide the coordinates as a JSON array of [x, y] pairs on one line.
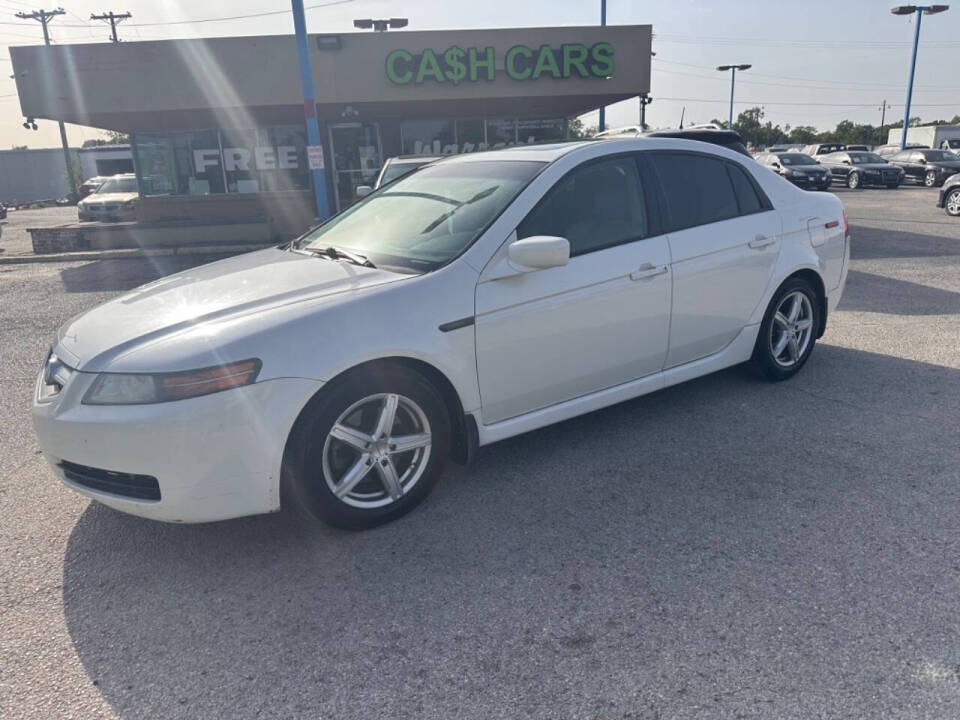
[[137, 389]]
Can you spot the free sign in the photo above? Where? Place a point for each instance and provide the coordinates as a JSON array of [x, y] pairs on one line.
[[283, 157]]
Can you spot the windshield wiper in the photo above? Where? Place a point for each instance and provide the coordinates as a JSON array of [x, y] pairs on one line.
[[447, 215], [337, 253]]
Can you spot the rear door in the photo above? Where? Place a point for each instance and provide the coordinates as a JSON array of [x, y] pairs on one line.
[[724, 238]]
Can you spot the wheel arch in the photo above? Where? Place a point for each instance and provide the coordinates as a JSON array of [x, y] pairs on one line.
[[463, 428]]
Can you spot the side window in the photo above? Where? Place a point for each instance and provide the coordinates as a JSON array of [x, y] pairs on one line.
[[595, 206], [698, 189], [747, 197]]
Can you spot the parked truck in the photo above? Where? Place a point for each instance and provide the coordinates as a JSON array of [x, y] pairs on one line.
[[939, 137]]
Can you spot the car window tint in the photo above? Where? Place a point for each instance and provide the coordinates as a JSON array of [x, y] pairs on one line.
[[746, 194], [595, 206], [697, 188]]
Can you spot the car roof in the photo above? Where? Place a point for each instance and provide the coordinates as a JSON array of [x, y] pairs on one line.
[[415, 158]]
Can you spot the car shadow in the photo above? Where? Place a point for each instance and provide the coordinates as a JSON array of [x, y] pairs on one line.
[[868, 292], [614, 548], [871, 243], [128, 273]]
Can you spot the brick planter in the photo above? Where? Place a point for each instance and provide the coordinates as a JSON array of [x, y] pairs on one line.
[[58, 239]]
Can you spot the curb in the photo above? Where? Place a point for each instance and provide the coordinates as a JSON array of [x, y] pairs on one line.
[[130, 253]]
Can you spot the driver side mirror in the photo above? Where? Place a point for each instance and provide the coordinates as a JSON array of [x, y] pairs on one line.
[[775, 166], [363, 190], [845, 162], [538, 253]]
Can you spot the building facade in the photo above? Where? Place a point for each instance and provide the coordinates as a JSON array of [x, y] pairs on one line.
[[224, 117]]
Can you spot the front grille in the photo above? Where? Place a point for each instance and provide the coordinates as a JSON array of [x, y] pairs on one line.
[[890, 175], [141, 487]]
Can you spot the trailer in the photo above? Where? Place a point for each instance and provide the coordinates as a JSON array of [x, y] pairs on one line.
[[942, 137]]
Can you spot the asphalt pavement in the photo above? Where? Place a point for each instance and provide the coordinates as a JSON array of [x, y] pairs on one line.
[[727, 548]]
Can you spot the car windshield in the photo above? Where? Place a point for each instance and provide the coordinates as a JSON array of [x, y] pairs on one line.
[[397, 170], [429, 217], [938, 156], [797, 159], [118, 185], [862, 158]]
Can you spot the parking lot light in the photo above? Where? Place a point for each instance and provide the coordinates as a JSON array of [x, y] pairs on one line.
[[733, 78], [919, 11]]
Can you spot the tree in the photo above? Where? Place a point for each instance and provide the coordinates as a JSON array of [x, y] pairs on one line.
[[113, 137]]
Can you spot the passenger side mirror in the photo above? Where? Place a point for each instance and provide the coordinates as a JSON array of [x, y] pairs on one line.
[[363, 191], [538, 253], [775, 166], [845, 162]]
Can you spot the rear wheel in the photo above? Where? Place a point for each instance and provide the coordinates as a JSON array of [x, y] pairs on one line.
[[853, 180], [369, 448], [952, 202], [788, 331], [930, 179]]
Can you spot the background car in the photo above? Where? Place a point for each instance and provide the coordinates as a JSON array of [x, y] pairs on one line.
[[800, 169], [929, 167], [886, 151], [713, 134], [823, 148], [862, 148], [113, 201], [397, 167], [91, 184], [950, 196], [860, 168]]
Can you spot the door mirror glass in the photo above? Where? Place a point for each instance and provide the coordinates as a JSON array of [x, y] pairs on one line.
[[776, 166], [539, 253], [845, 162], [363, 191]]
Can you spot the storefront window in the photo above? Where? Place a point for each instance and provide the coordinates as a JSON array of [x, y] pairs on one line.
[[541, 130], [501, 132], [428, 137], [471, 135], [211, 161]]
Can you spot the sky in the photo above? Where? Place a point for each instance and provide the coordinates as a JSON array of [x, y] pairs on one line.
[[815, 62]]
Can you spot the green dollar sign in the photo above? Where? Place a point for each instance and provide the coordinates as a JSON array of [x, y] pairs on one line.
[[456, 69]]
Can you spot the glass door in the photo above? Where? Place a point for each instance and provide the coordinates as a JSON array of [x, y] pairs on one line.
[[356, 159]]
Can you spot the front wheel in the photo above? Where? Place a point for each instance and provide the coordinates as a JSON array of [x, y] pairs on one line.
[[788, 331], [952, 202], [853, 180], [930, 179], [368, 448]]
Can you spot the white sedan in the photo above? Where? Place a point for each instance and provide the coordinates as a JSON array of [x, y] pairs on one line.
[[475, 299]]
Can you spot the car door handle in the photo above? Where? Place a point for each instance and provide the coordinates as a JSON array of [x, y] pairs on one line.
[[648, 270], [761, 242]]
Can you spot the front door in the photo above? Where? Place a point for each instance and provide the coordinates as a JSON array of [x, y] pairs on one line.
[[602, 320], [357, 159]]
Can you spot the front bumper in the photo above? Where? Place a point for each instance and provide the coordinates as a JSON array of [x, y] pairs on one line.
[[818, 182], [214, 457], [122, 214]]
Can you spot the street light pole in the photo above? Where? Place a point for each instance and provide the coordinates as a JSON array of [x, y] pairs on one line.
[[310, 110], [919, 11], [601, 125], [733, 79]]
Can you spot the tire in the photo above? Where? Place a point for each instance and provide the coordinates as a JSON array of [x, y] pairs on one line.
[[353, 476], [783, 364], [951, 203], [853, 180], [930, 179]]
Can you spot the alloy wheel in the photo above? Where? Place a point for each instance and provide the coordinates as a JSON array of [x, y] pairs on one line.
[[853, 180], [930, 179], [377, 450], [953, 202], [791, 329]]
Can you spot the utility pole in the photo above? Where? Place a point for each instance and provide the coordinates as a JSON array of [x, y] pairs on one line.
[[883, 119], [44, 17], [114, 19]]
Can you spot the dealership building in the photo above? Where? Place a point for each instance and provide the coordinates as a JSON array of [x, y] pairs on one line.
[[217, 125]]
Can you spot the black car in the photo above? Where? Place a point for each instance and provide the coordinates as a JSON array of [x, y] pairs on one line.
[[802, 170], [862, 168], [886, 151], [950, 196], [724, 138], [930, 167]]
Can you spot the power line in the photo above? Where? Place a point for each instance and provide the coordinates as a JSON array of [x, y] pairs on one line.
[[209, 20], [114, 19], [799, 104]]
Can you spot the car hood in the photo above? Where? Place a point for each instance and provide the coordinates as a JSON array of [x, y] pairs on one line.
[[808, 169], [876, 166], [97, 198], [224, 290]]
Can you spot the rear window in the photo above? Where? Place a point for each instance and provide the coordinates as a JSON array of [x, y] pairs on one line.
[[698, 189]]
